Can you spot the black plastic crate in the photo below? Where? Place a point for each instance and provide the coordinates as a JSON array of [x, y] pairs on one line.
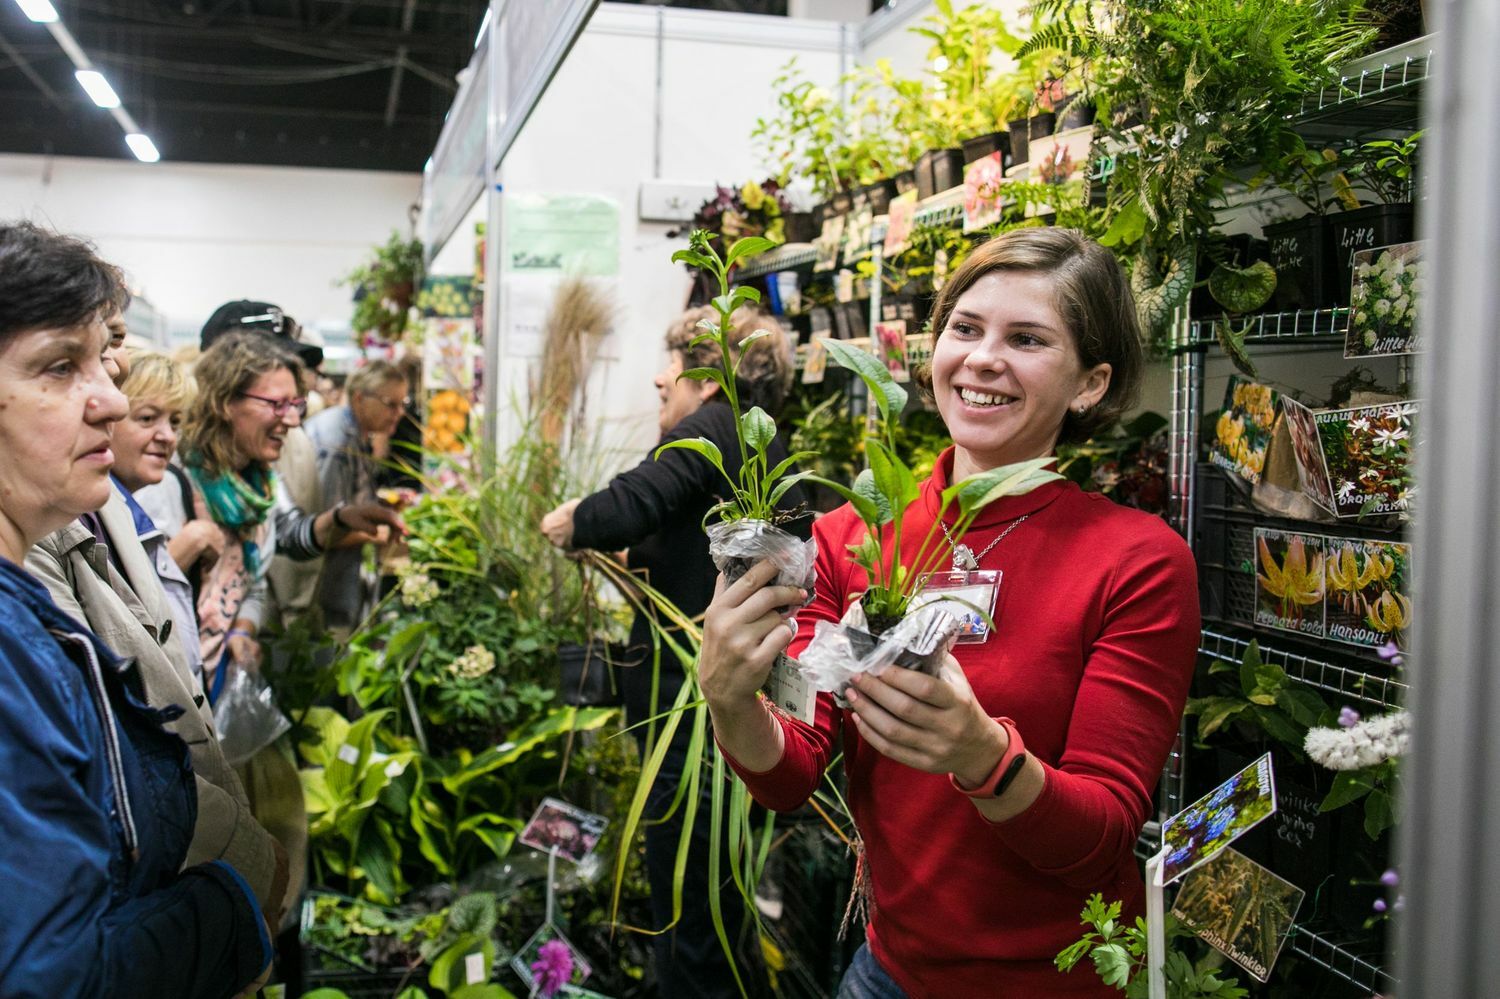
[[358, 984]]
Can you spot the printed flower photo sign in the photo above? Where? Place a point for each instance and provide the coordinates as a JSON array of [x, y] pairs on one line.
[[1312, 474], [1289, 581], [550, 965], [1388, 286], [1367, 454], [1239, 908], [1368, 583], [901, 220], [1061, 160], [1195, 835], [984, 180], [1243, 431]]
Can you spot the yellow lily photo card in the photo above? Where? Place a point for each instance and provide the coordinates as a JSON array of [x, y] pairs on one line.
[[1243, 430], [1368, 592], [1289, 574], [1241, 909]]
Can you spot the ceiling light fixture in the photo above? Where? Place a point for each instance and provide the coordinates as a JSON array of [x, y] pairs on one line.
[[40, 11], [97, 87], [143, 147]]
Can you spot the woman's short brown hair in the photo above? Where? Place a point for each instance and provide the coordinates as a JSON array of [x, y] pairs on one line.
[[766, 369], [1092, 297], [223, 373]]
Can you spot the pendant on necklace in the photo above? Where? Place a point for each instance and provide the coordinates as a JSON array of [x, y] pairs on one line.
[[963, 559]]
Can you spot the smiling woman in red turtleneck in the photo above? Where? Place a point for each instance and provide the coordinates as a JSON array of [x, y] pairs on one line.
[[1096, 628]]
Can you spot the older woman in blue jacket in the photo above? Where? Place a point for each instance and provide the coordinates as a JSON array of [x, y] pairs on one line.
[[96, 799]]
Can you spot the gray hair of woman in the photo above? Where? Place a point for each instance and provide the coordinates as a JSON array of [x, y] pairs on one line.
[[766, 369]]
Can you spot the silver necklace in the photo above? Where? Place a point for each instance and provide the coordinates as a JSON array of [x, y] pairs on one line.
[[964, 559]]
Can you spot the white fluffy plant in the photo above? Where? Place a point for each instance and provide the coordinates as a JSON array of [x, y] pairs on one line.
[[1365, 755]]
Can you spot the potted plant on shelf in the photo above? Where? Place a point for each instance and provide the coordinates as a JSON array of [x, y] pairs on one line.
[[1301, 248], [1383, 170], [384, 288], [1207, 81]]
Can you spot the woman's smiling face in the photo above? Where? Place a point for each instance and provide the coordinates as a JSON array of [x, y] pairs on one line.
[[144, 442], [259, 432], [58, 408], [1006, 370]]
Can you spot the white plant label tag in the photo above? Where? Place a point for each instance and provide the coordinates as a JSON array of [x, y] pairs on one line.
[[349, 754], [789, 690], [474, 969]]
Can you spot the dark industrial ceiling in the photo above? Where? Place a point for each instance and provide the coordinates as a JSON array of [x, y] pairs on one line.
[[359, 84]]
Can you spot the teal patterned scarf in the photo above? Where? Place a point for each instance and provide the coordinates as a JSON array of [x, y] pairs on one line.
[[238, 501]]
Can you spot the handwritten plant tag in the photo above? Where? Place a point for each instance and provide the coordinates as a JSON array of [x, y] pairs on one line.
[[1389, 282], [1289, 581], [1197, 834], [1239, 908]]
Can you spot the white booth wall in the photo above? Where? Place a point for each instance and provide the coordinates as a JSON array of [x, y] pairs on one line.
[[595, 132], [193, 236]]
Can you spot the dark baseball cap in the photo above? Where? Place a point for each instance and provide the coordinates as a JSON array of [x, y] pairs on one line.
[[262, 317]]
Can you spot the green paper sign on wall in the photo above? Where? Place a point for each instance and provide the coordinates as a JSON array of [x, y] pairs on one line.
[[576, 234]]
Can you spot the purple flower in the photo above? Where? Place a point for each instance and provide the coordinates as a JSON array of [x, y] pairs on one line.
[[1390, 878], [1348, 717], [1380, 906], [1390, 653], [552, 968]]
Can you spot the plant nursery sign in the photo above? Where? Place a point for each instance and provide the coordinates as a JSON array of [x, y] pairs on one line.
[[562, 234], [1198, 833], [903, 214], [1243, 430], [1312, 474], [1383, 300], [1060, 160], [569, 830], [1351, 590], [549, 963], [1239, 908], [891, 337], [1364, 454]]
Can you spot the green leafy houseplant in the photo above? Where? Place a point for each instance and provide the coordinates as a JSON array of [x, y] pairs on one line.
[[1262, 696], [384, 287], [1118, 951]]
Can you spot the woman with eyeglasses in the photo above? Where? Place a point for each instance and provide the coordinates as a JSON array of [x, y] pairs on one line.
[[249, 396]]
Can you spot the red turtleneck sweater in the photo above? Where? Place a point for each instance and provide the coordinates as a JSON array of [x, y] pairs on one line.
[[1096, 633]]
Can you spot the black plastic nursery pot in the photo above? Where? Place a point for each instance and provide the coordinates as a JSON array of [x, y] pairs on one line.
[[977, 147], [863, 643], [1302, 252], [938, 170], [587, 674], [800, 227], [879, 194], [1076, 114], [1364, 229], [1023, 130], [842, 202], [905, 181]]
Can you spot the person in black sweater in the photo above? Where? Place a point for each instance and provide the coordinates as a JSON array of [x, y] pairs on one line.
[[656, 511]]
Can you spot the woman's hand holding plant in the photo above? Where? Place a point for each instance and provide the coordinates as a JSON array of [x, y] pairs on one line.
[[743, 632], [932, 724]]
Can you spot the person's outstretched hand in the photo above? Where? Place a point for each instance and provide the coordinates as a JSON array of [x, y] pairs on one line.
[[743, 632], [558, 524]]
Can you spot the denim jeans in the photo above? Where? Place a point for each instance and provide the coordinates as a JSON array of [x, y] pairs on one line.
[[866, 979]]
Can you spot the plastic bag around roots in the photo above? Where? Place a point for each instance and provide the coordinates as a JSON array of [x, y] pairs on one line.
[[838, 652], [737, 545], [246, 716]]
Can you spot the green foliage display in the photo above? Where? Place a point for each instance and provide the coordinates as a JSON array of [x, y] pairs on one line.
[[1118, 951], [1260, 695], [384, 287]]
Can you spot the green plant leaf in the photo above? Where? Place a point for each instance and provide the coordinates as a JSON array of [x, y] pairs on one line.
[[555, 723], [693, 259], [1213, 712], [864, 485], [866, 509], [326, 994], [1113, 964], [894, 480], [1305, 707], [747, 247], [781, 488], [449, 968], [698, 445], [1348, 785], [488, 990], [715, 375], [1281, 728], [1379, 813], [323, 731], [758, 429], [978, 491], [889, 396]]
